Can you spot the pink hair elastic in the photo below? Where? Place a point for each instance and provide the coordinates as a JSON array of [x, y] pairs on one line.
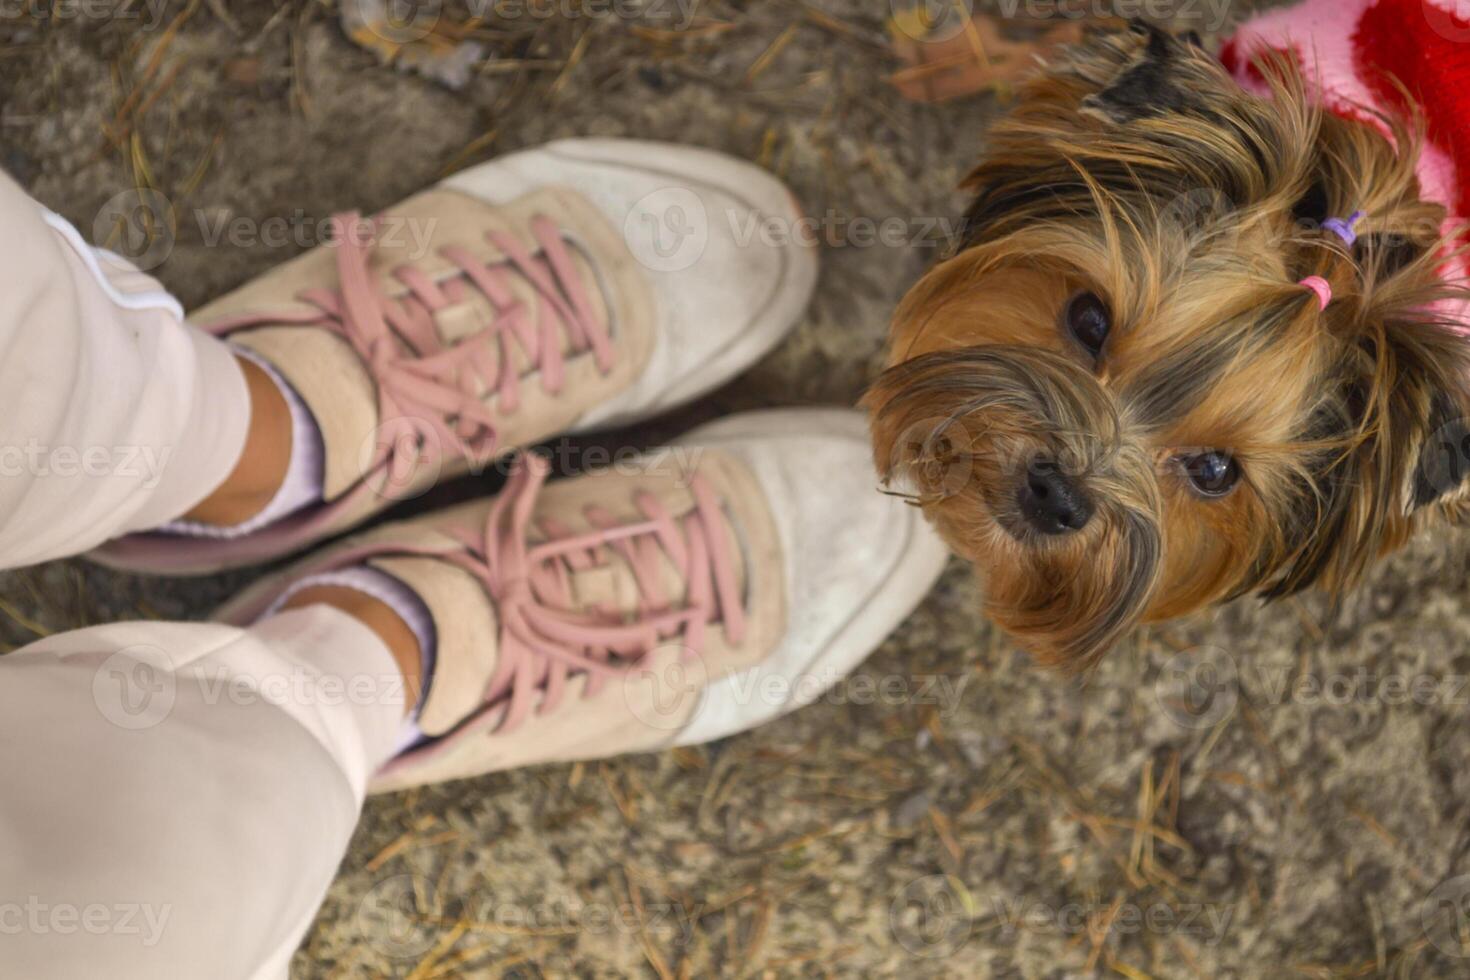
[[1345, 230], [1321, 287]]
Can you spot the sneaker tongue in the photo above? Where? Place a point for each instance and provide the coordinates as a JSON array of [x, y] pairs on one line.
[[612, 586], [467, 626], [342, 396], [467, 636], [337, 389], [475, 312]]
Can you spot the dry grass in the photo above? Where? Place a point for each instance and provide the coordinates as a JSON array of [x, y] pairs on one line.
[[1043, 819]]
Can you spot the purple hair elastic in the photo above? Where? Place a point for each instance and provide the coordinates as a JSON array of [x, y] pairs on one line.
[[1344, 229]]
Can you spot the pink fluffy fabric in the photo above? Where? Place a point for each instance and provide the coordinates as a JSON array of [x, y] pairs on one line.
[[1320, 33], [1331, 41]]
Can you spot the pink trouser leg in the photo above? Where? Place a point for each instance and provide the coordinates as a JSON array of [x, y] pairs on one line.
[[115, 416], [174, 798], [178, 796]]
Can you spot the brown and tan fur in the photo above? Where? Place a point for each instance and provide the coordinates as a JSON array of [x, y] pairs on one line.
[[1136, 169]]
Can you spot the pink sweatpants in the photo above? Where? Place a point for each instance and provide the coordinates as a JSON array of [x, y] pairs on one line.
[[176, 796]]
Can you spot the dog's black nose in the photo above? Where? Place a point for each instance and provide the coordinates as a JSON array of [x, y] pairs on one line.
[[1051, 501]]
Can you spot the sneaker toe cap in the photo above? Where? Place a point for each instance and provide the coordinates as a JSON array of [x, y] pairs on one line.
[[857, 561], [718, 239]]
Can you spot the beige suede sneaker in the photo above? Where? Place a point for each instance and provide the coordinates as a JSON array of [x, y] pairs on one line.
[[580, 285], [695, 593]]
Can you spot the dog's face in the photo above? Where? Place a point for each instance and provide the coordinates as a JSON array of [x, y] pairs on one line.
[[1117, 400]]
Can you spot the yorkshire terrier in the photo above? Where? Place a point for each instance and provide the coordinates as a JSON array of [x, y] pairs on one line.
[[1195, 342]]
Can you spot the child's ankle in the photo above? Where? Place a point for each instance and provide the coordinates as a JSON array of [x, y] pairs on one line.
[[382, 619], [263, 463]]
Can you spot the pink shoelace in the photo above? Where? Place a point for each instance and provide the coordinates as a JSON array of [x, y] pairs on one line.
[[545, 639], [424, 385]]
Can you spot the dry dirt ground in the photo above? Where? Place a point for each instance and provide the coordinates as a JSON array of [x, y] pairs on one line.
[[1270, 791]]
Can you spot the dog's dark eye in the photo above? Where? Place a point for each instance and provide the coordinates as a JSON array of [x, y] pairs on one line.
[[1212, 473], [1089, 321]]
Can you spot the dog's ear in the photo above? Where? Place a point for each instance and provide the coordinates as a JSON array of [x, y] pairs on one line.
[[1352, 173], [1393, 444], [1314, 207], [1406, 364], [1140, 73], [1086, 128], [1424, 389], [1429, 358], [1442, 468], [1385, 254]]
